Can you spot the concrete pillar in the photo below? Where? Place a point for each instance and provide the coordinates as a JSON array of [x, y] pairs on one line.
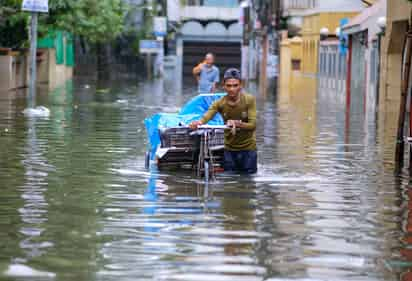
[[285, 65], [253, 54], [179, 59]]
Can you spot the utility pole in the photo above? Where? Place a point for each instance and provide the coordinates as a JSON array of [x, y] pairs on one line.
[[245, 41], [149, 66], [160, 31], [33, 60], [263, 63], [277, 12], [34, 7], [264, 15]]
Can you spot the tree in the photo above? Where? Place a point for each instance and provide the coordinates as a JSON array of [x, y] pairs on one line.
[[12, 24], [97, 21]]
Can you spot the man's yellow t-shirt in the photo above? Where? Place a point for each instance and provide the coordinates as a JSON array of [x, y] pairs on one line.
[[245, 110]]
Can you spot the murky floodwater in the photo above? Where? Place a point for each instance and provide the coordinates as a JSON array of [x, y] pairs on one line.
[[77, 204]]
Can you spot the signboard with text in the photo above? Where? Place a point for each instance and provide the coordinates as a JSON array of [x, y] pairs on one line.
[[40, 6], [149, 46]]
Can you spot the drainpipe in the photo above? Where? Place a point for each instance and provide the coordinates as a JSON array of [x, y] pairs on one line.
[[349, 74], [381, 22], [378, 74], [365, 92], [348, 83]]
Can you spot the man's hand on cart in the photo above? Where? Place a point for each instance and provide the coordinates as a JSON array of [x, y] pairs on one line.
[[233, 125], [195, 125], [230, 125]]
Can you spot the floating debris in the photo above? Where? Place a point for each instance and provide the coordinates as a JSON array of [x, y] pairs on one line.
[[39, 111], [20, 270], [103, 91]]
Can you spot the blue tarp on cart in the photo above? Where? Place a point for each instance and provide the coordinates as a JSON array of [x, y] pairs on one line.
[[191, 111]]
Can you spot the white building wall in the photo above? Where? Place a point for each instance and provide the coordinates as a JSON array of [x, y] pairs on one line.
[[135, 16], [296, 9], [210, 13], [176, 12], [339, 5], [173, 10]]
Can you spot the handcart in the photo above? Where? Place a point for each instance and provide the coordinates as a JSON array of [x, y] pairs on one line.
[[200, 150], [172, 144]]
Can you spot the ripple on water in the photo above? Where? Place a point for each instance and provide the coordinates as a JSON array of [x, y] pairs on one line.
[[76, 199]]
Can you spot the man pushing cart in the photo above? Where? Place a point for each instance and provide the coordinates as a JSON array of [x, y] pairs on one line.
[[238, 110], [220, 134]]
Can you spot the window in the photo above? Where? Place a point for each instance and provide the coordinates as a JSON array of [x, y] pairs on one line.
[[296, 64], [329, 64], [321, 62], [339, 70]]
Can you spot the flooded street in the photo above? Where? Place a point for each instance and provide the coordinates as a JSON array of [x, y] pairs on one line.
[[77, 203]]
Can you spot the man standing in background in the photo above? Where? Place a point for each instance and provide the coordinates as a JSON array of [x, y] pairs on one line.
[[207, 75]]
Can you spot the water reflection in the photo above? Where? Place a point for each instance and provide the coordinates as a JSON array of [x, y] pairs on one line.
[[296, 127], [403, 262], [78, 202], [180, 227], [34, 211]]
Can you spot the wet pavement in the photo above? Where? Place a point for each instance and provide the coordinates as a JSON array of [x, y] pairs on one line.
[[77, 203]]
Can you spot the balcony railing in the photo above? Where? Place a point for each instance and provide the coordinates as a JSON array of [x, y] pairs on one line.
[[213, 3], [300, 4]]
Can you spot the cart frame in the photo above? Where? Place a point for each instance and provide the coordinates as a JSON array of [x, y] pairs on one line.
[[202, 150]]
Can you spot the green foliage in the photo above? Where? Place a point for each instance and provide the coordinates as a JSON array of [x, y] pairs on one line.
[[140, 35], [13, 25], [284, 22], [97, 21]]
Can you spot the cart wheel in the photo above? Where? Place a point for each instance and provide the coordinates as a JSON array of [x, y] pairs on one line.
[[207, 171], [147, 160]]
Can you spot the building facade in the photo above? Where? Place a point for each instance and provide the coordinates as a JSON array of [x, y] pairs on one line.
[[294, 10], [398, 17], [332, 69], [313, 22], [202, 26], [364, 40]]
